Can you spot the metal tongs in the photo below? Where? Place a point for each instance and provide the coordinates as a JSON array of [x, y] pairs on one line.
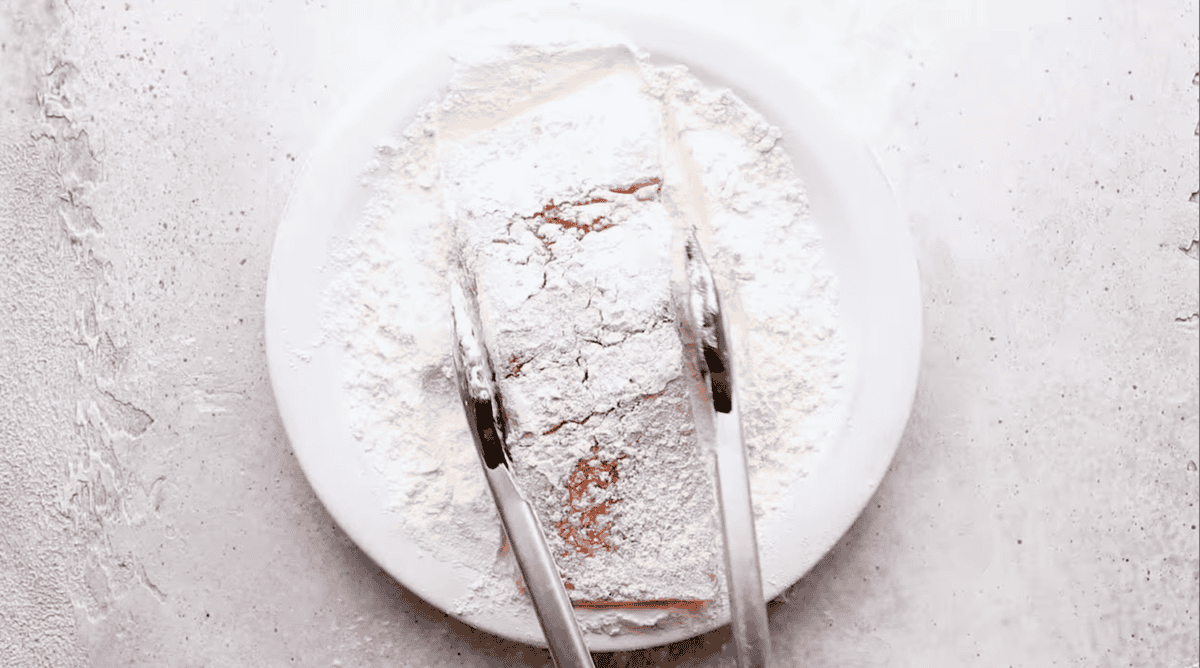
[[711, 341], [477, 387]]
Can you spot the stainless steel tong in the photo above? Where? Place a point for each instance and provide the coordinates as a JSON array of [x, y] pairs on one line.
[[484, 410], [485, 414], [711, 342]]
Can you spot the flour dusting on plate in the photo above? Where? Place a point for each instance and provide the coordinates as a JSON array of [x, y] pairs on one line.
[[560, 172]]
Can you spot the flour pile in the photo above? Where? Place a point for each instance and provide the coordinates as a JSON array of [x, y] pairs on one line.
[[561, 175]]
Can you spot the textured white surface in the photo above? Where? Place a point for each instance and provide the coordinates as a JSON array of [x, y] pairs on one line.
[[1041, 509]]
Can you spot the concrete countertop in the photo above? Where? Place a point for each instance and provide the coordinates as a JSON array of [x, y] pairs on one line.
[[1041, 509]]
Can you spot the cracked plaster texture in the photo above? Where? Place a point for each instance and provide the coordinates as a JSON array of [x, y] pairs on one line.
[[1041, 509]]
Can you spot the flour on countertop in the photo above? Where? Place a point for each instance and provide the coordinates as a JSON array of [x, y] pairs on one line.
[[563, 205]]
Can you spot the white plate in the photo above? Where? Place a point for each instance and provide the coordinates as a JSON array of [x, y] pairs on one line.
[[849, 199]]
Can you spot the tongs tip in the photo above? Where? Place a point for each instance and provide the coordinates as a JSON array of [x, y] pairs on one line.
[[470, 354], [708, 325]]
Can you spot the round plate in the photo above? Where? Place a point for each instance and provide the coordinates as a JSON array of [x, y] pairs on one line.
[[849, 199]]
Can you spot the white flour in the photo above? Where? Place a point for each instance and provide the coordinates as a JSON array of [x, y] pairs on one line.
[[560, 175]]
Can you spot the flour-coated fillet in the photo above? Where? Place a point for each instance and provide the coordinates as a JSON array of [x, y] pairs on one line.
[[572, 266]]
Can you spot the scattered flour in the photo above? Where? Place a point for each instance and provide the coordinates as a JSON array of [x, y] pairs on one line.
[[560, 175]]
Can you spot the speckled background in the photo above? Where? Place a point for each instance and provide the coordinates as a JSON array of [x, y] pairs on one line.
[[1041, 509]]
